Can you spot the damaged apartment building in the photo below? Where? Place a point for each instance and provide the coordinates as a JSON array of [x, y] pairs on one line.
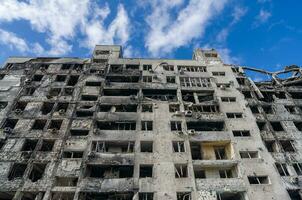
[[114, 128]]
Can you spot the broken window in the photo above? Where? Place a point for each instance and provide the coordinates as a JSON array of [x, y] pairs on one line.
[[218, 73], [258, 179], [93, 83], [62, 108], [147, 126], [116, 125], [168, 67], [298, 168], [67, 91], [176, 126], [226, 173], [181, 171], [247, 94], [291, 109], [31, 195], [160, 94], [118, 108], [282, 169], [39, 124], [29, 91], [20, 106], [37, 171], [220, 153], [261, 125], [113, 147], [196, 150], [277, 126], [55, 124], [271, 145], [202, 108], [72, 154], [199, 173], [147, 79], [89, 97], [79, 132], [183, 195], [73, 80], [188, 96], [133, 67], [241, 133], [268, 109], [110, 196], [66, 181], [66, 66], [287, 145], [122, 79], [146, 146], [37, 78], [296, 95], [116, 68], [294, 194], [54, 92], [3, 105], [17, 171], [62, 196], [280, 95], [10, 124], [254, 109], [241, 81], [206, 125], [29, 145], [235, 69], [47, 145], [119, 92], [2, 143], [2, 76], [230, 196], [147, 108], [174, 107], [109, 171], [192, 68], [47, 108], [228, 99], [195, 82], [178, 146], [145, 171], [61, 78], [248, 154], [147, 67], [84, 113], [211, 55], [170, 79], [234, 115], [267, 96]]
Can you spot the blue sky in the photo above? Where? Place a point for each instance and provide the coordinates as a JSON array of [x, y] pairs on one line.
[[261, 33]]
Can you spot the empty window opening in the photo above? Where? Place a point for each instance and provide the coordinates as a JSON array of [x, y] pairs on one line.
[[10, 124], [290, 109], [183, 196], [294, 194], [66, 66], [192, 68], [133, 67], [282, 169], [280, 95], [2, 143], [147, 125], [119, 92], [93, 83], [55, 124], [29, 145], [181, 171], [271, 145], [174, 107], [147, 67], [79, 132], [202, 108], [61, 78], [29, 91], [145, 171], [47, 145], [188, 96], [268, 96], [66, 181], [176, 126], [31, 195], [37, 171], [298, 168], [113, 147], [147, 108], [72, 154], [241, 133], [110, 171], [147, 79], [73, 80], [160, 94], [296, 95], [17, 171], [84, 113], [39, 124], [277, 126], [261, 125], [116, 68], [54, 92], [287, 145], [228, 99], [206, 125], [2, 76], [122, 79], [195, 82], [241, 81], [218, 73], [258, 179], [47, 108], [268, 109], [67, 91], [3, 105], [62, 108], [199, 173], [196, 151], [89, 97], [234, 115], [254, 109], [248, 154], [118, 108], [223, 86], [204, 97], [170, 79], [146, 146], [62, 196], [116, 125], [145, 196], [247, 94], [178, 146], [211, 55], [230, 196], [108, 196], [226, 173], [37, 78], [220, 153], [168, 67]]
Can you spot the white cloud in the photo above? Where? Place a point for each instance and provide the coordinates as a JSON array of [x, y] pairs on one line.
[[262, 17], [14, 42], [62, 20], [226, 56], [167, 34]]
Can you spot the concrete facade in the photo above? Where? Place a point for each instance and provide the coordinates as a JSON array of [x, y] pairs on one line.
[[116, 128]]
